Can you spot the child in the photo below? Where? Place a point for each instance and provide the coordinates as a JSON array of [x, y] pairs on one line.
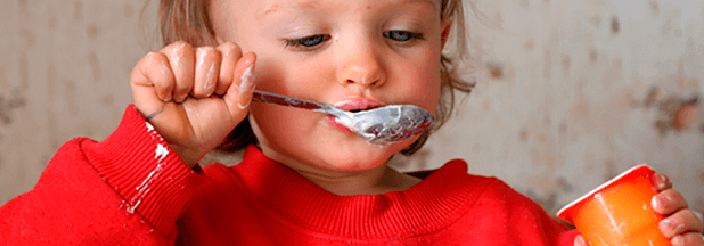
[[304, 180]]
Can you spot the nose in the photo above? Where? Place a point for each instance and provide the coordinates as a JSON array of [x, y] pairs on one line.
[[362, 66]]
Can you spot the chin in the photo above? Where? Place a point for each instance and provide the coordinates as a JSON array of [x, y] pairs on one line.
[[360, 155], [354, 164]]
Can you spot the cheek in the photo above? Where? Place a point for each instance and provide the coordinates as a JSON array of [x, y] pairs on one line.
[[274, 124], [291, 76], [422, 81], [269, 73]]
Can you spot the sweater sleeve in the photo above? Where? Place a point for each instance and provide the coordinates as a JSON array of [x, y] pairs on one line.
[[126, 190]]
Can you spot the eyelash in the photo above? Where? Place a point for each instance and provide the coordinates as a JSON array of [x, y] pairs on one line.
[[304, 43], [409, 35], [312, 41]]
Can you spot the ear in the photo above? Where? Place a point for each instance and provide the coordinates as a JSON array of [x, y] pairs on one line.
[[446, 25]]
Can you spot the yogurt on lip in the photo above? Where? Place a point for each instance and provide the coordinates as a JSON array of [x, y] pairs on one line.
[[337, 125]]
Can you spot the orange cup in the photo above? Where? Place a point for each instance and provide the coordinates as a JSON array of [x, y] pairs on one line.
[[619, 212]]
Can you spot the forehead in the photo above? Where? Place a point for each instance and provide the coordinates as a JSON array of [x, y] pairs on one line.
[[273, 6]]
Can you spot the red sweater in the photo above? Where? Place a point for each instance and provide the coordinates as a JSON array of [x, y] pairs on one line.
[[132, 189]]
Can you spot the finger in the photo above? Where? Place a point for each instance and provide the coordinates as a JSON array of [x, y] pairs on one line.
[[661, 182], [182, 59], [668, 202], [231, 53], [681, 222], [207, 70], [239, 96], [688, 239], [151, 82]]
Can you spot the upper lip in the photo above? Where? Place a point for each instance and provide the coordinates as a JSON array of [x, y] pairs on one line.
[[359, 103]]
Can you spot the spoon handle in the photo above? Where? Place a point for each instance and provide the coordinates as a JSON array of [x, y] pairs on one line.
[[277, 99]]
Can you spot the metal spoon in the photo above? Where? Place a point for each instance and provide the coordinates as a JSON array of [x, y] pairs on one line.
[[379, 125]]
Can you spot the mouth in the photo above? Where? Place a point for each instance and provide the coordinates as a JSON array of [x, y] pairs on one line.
[[353, 106], [359, 105]]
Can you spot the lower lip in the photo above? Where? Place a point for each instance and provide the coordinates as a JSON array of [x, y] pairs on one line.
[[337, 125]]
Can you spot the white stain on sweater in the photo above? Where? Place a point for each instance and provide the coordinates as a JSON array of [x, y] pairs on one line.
[[153, 133], [143, 189], [161, 152]]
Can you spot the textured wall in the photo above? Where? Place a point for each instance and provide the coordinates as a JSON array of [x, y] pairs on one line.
[[569, 93], [573, 92], [64, 74]]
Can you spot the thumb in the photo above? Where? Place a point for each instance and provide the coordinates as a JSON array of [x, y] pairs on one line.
[[239, 95], [152, 83]]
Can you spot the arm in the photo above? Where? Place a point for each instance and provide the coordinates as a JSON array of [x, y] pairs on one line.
[[131, 188], [79, 199]]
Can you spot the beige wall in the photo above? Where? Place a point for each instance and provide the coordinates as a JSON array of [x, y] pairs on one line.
[[569, 93], [64, 74]]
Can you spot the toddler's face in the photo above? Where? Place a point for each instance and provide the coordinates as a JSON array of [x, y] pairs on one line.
[[348, 53]]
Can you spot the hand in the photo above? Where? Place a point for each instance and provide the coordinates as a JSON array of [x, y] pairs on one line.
[[683, 226], [186, 94]]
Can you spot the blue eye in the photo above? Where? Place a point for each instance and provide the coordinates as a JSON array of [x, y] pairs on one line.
[[403, 36], [307, 42]]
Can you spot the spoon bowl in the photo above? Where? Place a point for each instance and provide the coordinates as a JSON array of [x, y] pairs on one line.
[[389, 123], [379, 126]]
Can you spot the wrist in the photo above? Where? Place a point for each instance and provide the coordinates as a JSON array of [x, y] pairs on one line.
[[189, 155]]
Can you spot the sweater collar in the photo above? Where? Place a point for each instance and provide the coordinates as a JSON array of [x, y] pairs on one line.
[[430, 205]]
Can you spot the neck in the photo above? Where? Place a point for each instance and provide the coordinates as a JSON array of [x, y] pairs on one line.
[[378, 180]]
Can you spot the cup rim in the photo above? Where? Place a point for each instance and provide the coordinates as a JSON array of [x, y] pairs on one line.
[[562, 213]]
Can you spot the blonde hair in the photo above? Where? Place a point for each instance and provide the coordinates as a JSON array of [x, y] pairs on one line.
[[189, 20]]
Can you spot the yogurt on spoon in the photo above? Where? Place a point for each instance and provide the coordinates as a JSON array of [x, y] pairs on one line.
[[380, 126]]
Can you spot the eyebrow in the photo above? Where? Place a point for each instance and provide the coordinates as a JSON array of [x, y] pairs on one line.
[[312, 4]]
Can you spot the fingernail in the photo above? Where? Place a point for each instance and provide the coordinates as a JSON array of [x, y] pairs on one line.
[[659, 202], [662, 182], [667, 225], [228, 51], [248, 62], [680, 241]]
